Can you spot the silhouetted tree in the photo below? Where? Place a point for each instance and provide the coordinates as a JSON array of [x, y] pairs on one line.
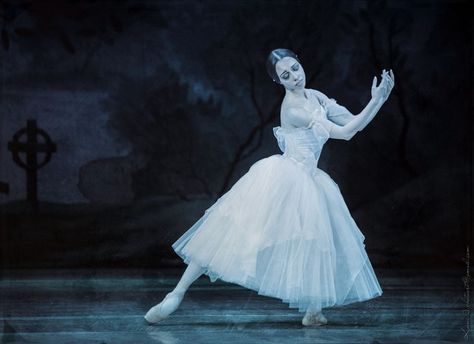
[[176, 137]]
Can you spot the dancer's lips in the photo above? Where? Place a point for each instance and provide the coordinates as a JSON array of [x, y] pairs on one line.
[[299, 82]]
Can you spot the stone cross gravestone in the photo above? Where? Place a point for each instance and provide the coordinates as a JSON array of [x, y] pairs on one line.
[[31, 147]]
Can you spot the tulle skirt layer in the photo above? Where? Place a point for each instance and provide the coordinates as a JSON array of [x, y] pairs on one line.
[[285, 233]]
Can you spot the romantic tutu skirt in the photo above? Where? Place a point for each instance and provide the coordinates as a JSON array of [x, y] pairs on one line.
[[284, 233]]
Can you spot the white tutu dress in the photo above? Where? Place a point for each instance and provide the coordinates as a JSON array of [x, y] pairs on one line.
[[284, 230]]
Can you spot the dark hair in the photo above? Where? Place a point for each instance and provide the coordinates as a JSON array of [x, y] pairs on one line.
[[275, 56]]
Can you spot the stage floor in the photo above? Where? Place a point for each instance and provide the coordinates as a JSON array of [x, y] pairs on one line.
[[107, 306]]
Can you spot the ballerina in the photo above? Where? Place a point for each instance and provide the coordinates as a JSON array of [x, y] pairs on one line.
[[284, 229]]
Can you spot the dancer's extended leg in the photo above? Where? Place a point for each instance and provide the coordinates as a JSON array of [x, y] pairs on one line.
[[192, 273], [173, 299]]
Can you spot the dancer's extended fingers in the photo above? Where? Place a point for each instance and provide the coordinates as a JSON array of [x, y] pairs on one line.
[[385, 80], [390, 81], [390, 76], [374, 82]]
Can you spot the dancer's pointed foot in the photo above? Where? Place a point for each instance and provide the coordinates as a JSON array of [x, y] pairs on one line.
[[314, 318], [162, 310]]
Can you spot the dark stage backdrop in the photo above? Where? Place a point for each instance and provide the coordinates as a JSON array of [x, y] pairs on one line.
[[146, 112]]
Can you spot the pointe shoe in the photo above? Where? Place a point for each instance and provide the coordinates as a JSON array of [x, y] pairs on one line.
[[162, 310], [314, 319]]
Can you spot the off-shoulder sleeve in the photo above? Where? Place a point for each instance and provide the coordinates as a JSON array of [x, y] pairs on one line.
[[278, 133], [336, 113]]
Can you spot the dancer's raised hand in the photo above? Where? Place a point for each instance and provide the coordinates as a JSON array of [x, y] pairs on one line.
[[382, 91]]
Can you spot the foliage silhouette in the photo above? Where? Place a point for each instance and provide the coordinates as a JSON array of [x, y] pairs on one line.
[[179, 139]]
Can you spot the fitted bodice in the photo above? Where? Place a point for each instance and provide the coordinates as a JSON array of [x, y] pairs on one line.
[[304, 144]]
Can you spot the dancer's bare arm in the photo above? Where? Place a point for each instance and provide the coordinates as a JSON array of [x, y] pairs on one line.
[[359, 122]]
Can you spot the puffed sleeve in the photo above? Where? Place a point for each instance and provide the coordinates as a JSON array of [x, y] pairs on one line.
[[278, 133], [336, 113]]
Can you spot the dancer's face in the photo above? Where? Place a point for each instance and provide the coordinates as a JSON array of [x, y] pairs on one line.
[[291, 73]]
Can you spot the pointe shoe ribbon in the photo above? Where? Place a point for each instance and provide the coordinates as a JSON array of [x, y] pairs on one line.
[[162, 310], [314, 318]]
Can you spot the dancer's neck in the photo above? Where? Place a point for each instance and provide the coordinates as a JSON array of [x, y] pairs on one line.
[[299, 93]]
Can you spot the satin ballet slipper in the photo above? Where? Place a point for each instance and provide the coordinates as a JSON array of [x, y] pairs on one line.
[[313, 318], [162, 310]]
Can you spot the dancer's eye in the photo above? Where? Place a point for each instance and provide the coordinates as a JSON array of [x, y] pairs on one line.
[[285, 76], [295, 67]]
